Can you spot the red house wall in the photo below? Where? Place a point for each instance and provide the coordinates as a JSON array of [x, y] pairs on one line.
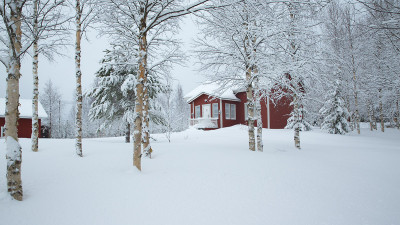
[[24, 127], [279, 112], [228, 122], [201, 100]]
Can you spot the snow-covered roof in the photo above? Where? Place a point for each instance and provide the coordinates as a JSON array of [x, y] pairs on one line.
[[213, 90], [25, 108]]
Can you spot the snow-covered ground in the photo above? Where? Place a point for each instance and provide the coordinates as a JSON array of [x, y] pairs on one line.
[[209, 178]]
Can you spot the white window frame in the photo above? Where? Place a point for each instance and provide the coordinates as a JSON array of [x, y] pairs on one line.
[[2, 131], [233, 112], [230, 111], [197, 109], [214, 110], [227, 111]]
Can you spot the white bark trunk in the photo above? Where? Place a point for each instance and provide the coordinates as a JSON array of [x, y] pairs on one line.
[[35, 100], [78, 77], [14, 153], [250, 121], [260, 145], [381, 112], [138, 130]]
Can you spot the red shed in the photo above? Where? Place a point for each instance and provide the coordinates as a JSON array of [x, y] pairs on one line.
[[211, 108], [25, 117]]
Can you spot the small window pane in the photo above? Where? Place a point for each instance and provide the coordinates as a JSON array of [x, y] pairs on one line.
[[197, 111], [215, 110], [227, 111], [233, 111]]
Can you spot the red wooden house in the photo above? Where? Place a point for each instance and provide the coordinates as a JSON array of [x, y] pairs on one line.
[[25, 117], [211, 108]]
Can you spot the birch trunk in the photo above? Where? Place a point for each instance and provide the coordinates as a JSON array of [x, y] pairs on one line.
[[374, 118], [137, 134], [146, 119], [398, 114], [250, 110], [35, 101], [127, 133], [381, 112], [13, 155], [260, 145], [297, 125], [357, 114], [371, 124], [78, 75]]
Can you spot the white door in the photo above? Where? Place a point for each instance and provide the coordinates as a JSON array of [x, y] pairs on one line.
[[206, 111]]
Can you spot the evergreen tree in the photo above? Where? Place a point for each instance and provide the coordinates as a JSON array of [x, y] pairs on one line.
[[335, 113]]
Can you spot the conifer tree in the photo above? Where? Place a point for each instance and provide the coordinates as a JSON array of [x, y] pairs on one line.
[[335, 113]]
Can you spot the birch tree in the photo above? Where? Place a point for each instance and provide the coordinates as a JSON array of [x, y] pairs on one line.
[[11, 53], [235, 49], [144, 23], [84, 16], [48, 34]]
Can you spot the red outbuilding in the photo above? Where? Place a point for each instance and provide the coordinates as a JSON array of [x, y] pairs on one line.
[[25, 117], [213, 107]]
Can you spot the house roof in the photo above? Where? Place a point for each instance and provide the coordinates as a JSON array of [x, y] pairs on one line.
[[25, 108], [213, 90]]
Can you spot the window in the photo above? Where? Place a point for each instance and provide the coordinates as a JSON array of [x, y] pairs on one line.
[[233, 112], [197, 111], [230, 111], [227, 111], [215, 110]]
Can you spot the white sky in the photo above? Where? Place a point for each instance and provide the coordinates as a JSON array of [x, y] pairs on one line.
[[62, 70]]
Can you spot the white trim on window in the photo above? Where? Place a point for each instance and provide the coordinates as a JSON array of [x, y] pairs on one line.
[[197, 111], [214, 110], [227, 111], [233, 112], [230, 111]]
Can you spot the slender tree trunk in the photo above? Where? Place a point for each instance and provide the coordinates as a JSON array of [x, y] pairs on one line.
[[381, 111], [373, 117], [260, 145], [127, 133], [137, 134], [357, 114], [398, 114], [78, 75], [371, 124], [250, 110], [146, 133], [14, 152], [297, 125], [35, 101]]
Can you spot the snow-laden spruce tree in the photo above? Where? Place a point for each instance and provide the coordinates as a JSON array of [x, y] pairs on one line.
[[113, 95], [335, 113], [148, 25]]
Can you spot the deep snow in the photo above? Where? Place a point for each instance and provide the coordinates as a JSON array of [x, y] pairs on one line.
[[209, 177]]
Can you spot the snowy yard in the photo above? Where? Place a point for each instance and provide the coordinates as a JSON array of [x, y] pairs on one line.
[[211, 178]]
